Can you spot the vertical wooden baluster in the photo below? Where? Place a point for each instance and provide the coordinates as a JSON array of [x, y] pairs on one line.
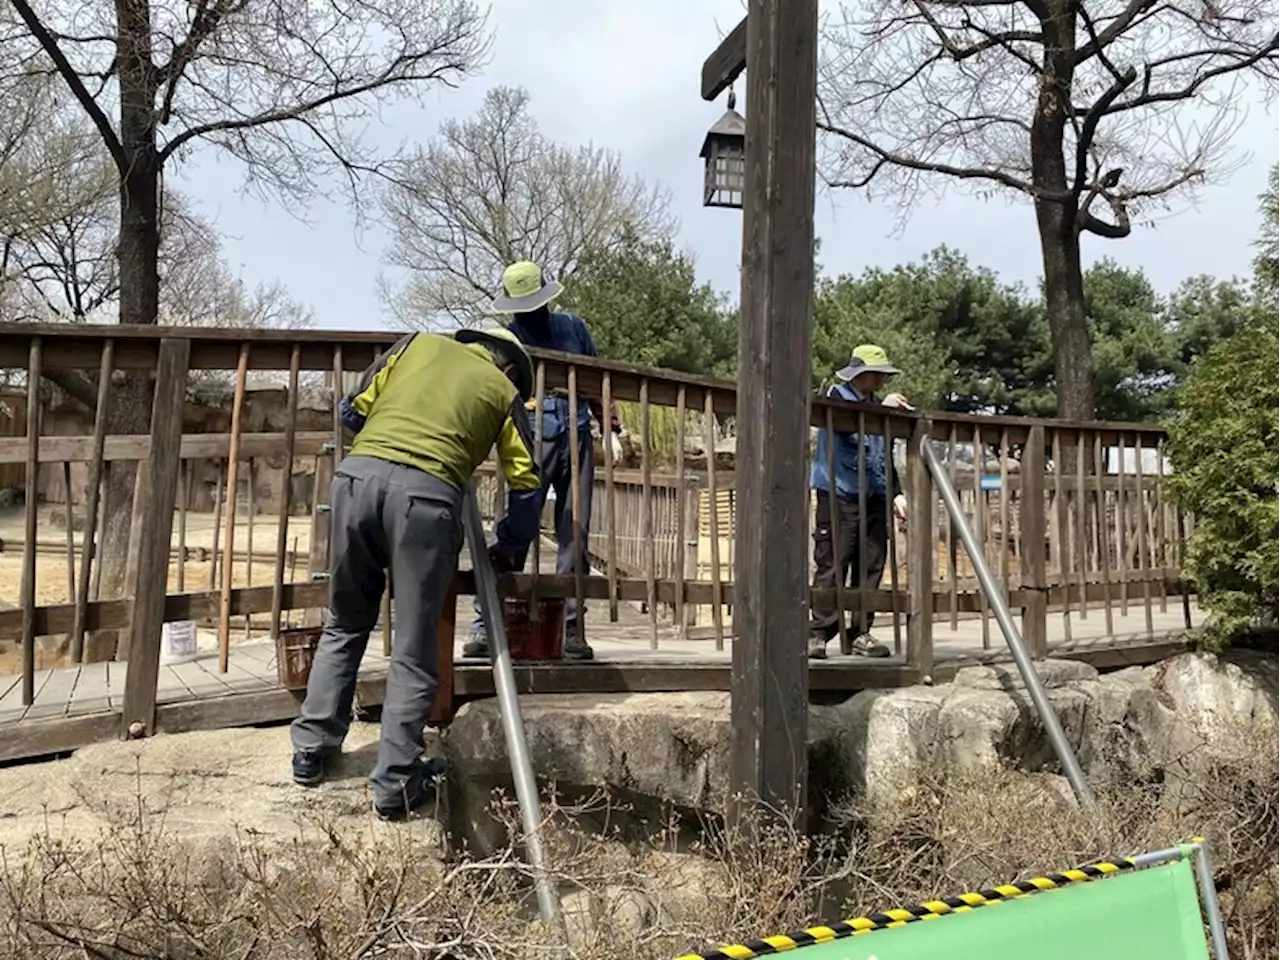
[[1032, 533], [713, 516], [677, 560], [889, 472], [1064, 535], [863, 539], [539, 395], [69, 514], [217, 527], [137, 519], [1180, 520], [646, 469], [952, 552], [1144, 561], [1104, 547], [833, 518], [575, 503], [610, 509], [233, 484], [252, 507], [30, 526], [980, 514], [94, 491], [1162, 529], [1122, 527], [1005, 519], [184, 503], [286, 492], [1082, 525], [100, 534], [922, 551], [293, 572]]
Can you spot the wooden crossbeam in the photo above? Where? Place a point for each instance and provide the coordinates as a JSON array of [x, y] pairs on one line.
[[726, 63]]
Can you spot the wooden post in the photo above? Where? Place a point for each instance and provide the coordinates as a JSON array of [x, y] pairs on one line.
[[1035, 614], [770, 678], [139, 710], [920, 556]]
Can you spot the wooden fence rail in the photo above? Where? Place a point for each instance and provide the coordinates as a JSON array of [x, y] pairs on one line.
[[1074, 518]]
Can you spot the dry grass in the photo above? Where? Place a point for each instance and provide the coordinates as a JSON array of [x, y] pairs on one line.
[[138, 892]]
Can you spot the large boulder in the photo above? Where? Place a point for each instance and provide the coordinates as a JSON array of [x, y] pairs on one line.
[[657, 751]]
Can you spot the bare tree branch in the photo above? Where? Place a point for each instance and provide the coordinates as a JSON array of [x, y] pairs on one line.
[[73, 80], [491, 190]]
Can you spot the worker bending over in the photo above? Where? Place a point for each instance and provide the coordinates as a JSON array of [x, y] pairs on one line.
[[425, 414]]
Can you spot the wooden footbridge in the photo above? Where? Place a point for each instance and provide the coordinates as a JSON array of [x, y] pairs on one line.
[[1074, 519]]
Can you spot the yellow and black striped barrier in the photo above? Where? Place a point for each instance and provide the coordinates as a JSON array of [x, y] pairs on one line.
[[930, 910]]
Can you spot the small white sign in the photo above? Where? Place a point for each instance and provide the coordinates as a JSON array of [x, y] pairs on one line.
[[178, 641]]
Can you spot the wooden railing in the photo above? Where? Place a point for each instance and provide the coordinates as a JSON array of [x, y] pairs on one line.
[[1065, 527]]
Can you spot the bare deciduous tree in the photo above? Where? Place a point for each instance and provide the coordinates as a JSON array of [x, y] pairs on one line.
[[286, 87], [1099, 111], [491, 190]]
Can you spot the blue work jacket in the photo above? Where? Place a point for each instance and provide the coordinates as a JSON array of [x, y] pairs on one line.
[[847, 456], [567, 333]]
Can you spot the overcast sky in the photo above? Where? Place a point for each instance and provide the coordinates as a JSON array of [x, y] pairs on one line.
[[625, 74]]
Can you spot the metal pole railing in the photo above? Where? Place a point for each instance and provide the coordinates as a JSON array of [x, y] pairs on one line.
[[1000, 606], [504, 682]]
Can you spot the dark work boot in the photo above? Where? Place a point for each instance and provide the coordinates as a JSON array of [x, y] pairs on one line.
[[575, 648], [421, 788], [476, 647], [310, 767]]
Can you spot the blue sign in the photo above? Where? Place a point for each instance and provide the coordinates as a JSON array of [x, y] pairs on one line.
[[991, 483]]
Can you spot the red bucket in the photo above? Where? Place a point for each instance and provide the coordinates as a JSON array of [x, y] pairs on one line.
[[532, 642]]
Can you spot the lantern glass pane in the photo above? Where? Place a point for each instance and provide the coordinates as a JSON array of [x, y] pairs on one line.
[[725, 176]]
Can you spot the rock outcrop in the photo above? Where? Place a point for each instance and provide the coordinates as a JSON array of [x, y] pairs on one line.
[[668, 754]]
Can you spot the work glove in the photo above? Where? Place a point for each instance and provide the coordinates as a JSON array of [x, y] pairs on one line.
[[897, 400], [501, 561], [615, 448], [900, 508]]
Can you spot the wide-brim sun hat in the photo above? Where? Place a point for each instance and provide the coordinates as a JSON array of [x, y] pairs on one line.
[[506, 343], [525, 289], [867, 358]]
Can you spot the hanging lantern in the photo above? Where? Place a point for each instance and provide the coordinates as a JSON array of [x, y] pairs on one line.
[[724, 153]]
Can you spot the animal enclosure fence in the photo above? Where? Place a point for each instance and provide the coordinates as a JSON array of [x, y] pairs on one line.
[[1070, 535]]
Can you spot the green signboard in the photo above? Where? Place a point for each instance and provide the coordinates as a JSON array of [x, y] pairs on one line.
[[1147, 913]]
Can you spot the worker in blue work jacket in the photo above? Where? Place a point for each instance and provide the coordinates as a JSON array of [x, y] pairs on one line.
[[425, 415], [862, 546], [526, 296]]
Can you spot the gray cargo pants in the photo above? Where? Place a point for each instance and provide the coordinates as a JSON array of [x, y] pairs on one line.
[[558, 476], [384, 515]]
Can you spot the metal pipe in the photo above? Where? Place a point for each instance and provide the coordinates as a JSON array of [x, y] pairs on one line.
[[1066, 756], [1209, 899], [504, 682]]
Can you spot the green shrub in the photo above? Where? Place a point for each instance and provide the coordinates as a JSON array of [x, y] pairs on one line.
[[1223, 442]]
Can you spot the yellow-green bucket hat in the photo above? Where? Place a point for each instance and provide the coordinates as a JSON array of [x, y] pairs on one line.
[[525, 289], [867, 358]]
